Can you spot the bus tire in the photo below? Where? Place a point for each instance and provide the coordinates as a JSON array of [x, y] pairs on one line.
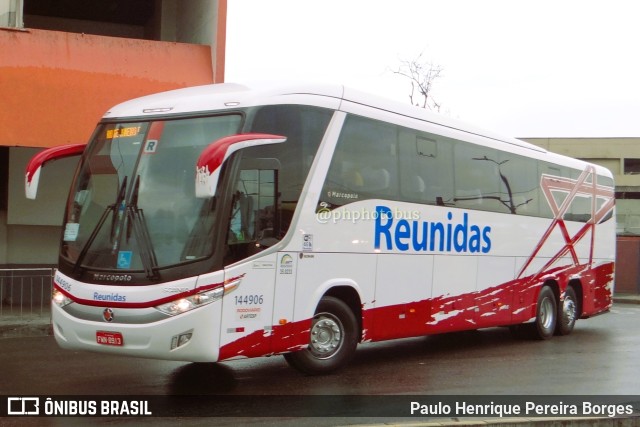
[[546, 314], [567, 312], [332, 340]]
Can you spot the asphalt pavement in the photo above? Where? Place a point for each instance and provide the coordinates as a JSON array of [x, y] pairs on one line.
[[26, 324]]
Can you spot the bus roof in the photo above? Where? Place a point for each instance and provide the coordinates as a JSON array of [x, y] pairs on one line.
[[225, 96]]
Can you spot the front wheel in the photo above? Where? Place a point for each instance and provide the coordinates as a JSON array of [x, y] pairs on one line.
[[332, 340], [546, 314], [567, 313]]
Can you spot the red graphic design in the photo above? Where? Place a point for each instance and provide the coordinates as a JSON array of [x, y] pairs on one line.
[[512, 302], [586, 186]]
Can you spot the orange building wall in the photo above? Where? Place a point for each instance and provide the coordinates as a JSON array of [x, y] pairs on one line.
[[55, 86]]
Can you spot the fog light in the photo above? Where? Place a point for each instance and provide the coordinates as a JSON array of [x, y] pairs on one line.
[[180, 340]]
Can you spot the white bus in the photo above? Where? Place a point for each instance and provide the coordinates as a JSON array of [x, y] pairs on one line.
[[320, 218]]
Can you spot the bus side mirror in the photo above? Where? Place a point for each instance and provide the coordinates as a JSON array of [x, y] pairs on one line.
[[211, 159], [34, 167]]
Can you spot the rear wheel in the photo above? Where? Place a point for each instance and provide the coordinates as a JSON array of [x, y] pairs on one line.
[[567, 312], [332, 340], [546, 314]]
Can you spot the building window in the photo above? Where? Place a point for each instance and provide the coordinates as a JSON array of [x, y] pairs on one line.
[[632, 166], [627, 195], [11, 13]]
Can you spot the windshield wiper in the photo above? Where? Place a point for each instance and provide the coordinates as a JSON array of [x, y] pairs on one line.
[[138, 222], [115, 221], [135, 220]]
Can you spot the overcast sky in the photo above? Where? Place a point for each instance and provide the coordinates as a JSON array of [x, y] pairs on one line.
[[524, 68]]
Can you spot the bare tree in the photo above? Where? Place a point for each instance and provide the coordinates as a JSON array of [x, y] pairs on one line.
[[421, 74]]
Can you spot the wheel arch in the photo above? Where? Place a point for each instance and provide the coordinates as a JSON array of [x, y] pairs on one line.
[[346, 290], [575, 283], [555, 287]]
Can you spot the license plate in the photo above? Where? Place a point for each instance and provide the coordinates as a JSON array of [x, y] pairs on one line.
[[109, 338]]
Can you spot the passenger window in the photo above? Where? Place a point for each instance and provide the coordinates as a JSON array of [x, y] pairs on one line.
[[520, 185], [364, 165], [477, 179], [557, 197], [304, 128], [426, 168], [580, 206], [376, 160]]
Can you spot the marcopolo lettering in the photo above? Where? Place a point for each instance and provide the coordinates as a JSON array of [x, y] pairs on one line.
[[112, 277], [451, 236]]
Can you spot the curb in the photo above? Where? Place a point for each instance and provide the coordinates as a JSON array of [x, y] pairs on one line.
[[26, 330], [626, 299]]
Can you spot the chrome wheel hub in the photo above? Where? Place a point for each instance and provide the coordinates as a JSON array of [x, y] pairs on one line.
[[546, 313], [326, 335], [569, 310]]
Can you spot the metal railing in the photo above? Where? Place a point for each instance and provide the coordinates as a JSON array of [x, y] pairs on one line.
[[25, 292]]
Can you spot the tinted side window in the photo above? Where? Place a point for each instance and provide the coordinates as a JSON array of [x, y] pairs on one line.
[[364, 165], [304, 128], [477, 179], [376, 160], [557, 197], [520, 186], [426, 168], [270, 178]]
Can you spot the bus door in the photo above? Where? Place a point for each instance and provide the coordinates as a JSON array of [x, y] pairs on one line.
[[250, 278], [284, 334], [247, 308]]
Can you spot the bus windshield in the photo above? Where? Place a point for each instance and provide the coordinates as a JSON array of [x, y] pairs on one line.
[[132, 205]]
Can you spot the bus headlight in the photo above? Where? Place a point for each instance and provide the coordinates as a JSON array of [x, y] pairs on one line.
[[59, 298], [183, 305]]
